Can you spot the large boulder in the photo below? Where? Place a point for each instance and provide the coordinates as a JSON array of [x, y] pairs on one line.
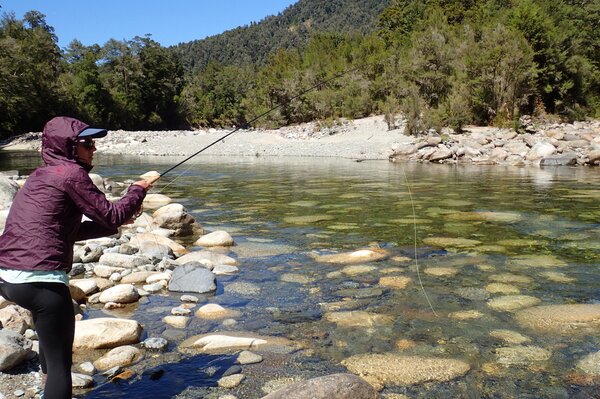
[[334, 386], [105, 332], [175, 217], [218, 238], [192, 278]]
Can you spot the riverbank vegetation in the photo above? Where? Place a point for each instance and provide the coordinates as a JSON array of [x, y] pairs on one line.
[[435, 62]]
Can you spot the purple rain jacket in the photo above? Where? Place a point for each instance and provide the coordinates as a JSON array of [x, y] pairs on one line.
[[44, 220]]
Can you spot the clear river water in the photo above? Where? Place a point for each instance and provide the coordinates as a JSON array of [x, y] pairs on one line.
[[463, 235]]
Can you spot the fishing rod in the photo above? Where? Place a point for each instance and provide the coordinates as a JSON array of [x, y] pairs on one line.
[[249, 123]]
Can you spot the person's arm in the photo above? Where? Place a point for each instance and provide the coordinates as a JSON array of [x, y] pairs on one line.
[[106, 216]]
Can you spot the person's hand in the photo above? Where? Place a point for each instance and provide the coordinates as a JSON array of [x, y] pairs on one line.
[[146, 185]]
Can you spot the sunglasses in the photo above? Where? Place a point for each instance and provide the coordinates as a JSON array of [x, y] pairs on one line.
[[89, 144]]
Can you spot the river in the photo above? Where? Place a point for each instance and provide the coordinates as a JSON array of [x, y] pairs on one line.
[[463, 235]]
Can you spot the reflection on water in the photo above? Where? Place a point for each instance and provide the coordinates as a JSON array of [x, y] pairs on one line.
[[468, 239]]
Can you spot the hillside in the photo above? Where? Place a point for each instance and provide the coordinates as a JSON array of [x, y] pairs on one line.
[[252, 44]]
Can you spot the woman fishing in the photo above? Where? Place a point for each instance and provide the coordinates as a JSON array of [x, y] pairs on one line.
[[36, 248]]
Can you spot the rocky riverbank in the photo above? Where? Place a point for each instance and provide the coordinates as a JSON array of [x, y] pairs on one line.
[[369, 138]]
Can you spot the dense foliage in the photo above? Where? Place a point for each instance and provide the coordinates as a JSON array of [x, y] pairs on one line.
[[433, 62]]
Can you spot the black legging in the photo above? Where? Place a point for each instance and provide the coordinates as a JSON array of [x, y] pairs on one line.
[[53, 315]]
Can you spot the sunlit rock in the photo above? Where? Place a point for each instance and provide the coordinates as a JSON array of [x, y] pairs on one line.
[[119, 356], [14, 349], [590, 364], [510, 303], [356, 270], [207, 258], [143, 240], [175, 217], [360, 256], [522, 242], [213, 311], [222, 343], [106, 332], [558, 277], [122, 293], [176, 321], [218, 238], [404, 370], [154, 201], [122, 260], [568, 319]]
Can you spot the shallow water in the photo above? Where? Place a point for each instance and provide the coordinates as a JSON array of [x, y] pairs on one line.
[[533, 231]]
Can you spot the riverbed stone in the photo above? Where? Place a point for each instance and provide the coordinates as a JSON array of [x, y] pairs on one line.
[[563, 319], [176, 321], [536, 261], [217, 238], [123, 260], [510, 278], [223, 343], [511, 303], [501, 288], [510, 337], [464, 315], [146, 242], [231, 381], [156, 200], [360, 256], [213, 311], [440, 271], [207, 258], [404, 370], [334, 386], [122, 293], [120, 356], [191, 278], [87, 285], [396, 282], [175, 217], [247, 357], [359, 318], [590, 364], [522, 355], [105, 333]]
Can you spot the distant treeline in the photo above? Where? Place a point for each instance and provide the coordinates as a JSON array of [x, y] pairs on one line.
[[437, 63]]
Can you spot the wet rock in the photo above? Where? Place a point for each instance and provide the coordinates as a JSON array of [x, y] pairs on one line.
[[473, 294], [120, 356], [568, 160], [448, 242], [541, 261], [221, 343], [522, 355], [590, 364], [404, 370], [243, 288], [567, 319], [360, 256], [440, 271], [359, 318], [396, 282], [103, 332], [466, 315], [510, 337], [501, 288], [176, 321], [334, 386], [155, 344], [81, 380], [510, 303]]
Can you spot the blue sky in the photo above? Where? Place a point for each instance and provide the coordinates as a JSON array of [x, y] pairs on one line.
[[169, 21]]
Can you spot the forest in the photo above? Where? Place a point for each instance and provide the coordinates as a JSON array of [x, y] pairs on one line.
[[431, 63]]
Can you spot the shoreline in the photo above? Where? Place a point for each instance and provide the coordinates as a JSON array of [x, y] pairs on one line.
[[364, 139]]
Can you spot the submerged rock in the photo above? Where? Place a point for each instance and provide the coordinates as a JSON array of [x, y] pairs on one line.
[[522, 355], [334, 386], [394, 369], [568, 319], [360, 256], [449, 242], [359, 318], [511, 303]]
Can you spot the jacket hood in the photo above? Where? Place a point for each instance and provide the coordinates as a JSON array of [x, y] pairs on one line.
[[59, 140]]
